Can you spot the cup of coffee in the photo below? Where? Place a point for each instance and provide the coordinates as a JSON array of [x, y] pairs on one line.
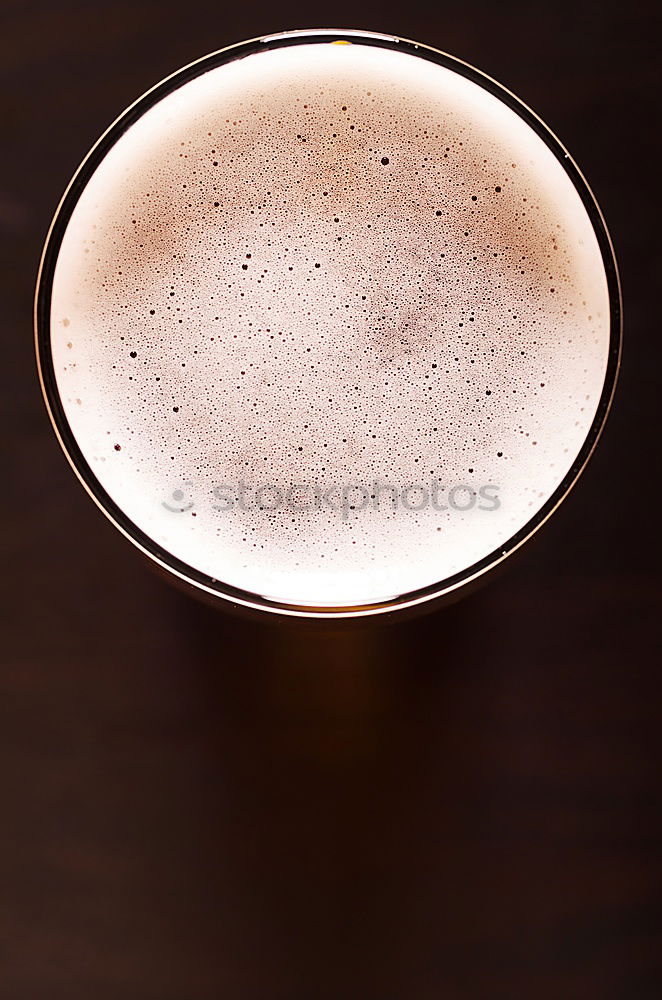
[[328, 324]]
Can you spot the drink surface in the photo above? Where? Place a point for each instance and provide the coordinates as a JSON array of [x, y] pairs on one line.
[[330, 323]]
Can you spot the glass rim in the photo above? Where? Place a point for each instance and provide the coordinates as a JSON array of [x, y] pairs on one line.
[[226, 593]]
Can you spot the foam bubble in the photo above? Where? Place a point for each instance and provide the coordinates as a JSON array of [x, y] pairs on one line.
[[321, 266]]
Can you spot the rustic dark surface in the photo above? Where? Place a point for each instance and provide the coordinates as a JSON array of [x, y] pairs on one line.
[[464, 806]]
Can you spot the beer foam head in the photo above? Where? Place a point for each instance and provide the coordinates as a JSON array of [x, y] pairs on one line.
[[330, 323]]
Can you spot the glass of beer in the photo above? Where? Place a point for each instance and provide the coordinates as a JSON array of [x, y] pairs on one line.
[[328, 324]]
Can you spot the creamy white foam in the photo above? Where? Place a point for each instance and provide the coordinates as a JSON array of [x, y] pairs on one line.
[[329, 264]]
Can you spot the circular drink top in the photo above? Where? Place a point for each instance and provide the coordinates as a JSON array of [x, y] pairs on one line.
[[330, 322]]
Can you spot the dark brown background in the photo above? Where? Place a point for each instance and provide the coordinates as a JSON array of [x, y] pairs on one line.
[[465, 806]]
